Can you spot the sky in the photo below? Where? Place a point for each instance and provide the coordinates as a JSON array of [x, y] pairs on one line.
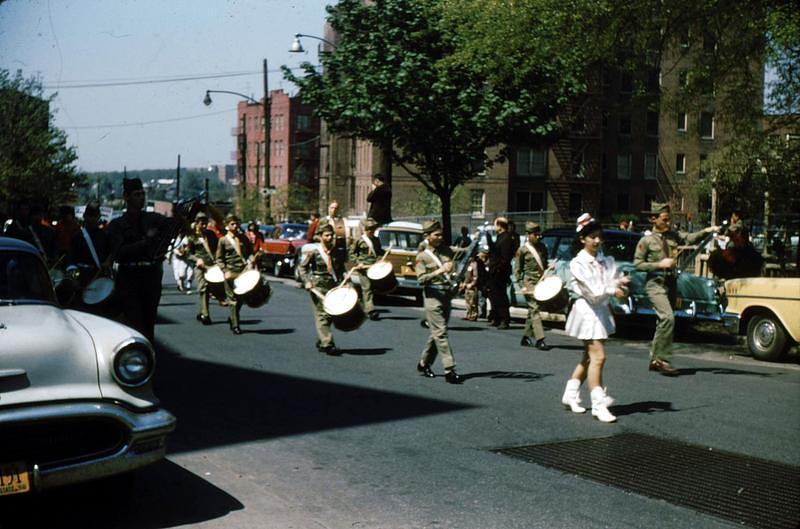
[[146, 125]]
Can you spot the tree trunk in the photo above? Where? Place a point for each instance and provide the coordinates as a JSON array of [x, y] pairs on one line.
[[445, 196]]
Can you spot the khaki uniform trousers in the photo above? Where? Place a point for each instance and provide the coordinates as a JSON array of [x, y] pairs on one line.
[[233, 302], [367, 295], [437, 313], [658, 294], [202, 289], [471, 300], [322, 322], [533, 324]]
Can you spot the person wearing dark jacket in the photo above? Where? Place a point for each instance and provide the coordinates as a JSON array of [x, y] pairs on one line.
[[380, 201], [501, 253]]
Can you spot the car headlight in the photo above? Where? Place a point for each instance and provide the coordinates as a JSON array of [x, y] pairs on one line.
[[134, 363]]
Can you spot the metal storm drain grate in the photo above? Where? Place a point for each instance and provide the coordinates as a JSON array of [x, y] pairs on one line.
[[743, 489]]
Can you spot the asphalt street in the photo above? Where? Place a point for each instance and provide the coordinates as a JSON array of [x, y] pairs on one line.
[[273, 434]]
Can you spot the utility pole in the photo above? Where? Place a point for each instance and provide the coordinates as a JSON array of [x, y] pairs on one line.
[[178, 181], [267, 139]]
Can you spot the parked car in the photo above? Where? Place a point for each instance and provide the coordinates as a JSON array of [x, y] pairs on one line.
[[76, 401], [765, 310], [280, 248], [404, 239]]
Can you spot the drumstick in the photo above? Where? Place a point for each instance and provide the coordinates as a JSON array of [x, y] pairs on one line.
[[316, 292], [385, 255]]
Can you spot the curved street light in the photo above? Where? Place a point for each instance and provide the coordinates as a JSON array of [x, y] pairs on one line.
[[297, 46], [207, 100]]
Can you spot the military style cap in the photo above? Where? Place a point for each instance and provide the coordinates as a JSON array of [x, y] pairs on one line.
[[371, 223], [430, 226], [131, 184], [657, 208], [326, 228], [531, 227], [201, 215], [230, 217]]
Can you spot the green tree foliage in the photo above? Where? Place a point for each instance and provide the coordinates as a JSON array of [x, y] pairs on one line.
[[392, 80], [35, 161]]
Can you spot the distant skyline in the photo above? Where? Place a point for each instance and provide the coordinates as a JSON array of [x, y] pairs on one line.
[[141, 121]]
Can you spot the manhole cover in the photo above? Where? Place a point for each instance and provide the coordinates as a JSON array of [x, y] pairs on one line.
[[749, 491]]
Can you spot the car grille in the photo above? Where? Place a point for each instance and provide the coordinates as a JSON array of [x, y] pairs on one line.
[[58, 442]]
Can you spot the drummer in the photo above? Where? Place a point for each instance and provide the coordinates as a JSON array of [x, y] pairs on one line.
[[318, 271], [531, 264], [364, 253], [87, 257], [434, 265], [233, 255], [202, 249], [339, 236]]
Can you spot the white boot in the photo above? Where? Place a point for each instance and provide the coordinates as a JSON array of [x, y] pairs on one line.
[[572, 398], [599, 406]]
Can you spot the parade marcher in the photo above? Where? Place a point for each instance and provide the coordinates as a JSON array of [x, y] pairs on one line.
[[380, 201], [182, 269], [531, 264], [134, 238], [44, 235], [593, 281], [501, 252], [339, 236], [313, 226], [234, 254], [66, 229], [654, 255], [88, 253], [202, 251], [434, 264], [364, 253], [318, 271], [463, 240], [474, 281]]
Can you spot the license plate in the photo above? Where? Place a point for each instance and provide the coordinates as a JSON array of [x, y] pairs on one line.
[[14, 479]]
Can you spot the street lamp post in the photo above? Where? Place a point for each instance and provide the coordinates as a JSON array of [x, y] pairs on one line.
[[297, 46]]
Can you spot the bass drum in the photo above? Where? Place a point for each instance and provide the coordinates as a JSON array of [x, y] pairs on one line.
[[551, 294], [98, 296], [252, 288], [381, 275], [215, 278], [343, 306]]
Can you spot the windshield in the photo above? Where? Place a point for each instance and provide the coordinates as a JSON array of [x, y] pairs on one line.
[[23, 277], [621, 248], [293, 233], [404, 240]]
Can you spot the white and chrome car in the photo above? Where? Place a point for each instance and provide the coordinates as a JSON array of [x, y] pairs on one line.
[[76, 401]]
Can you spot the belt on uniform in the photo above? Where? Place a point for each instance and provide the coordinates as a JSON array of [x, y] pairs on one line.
[[438, 288]]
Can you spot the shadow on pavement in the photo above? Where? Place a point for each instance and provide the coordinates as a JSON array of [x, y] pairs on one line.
[[365, 352], [268, 331], [648, 406], [219, 404], [723, 371], [527, 376], [158, 496]]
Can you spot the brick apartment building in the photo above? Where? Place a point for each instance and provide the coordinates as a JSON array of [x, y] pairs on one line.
[[293, 157]]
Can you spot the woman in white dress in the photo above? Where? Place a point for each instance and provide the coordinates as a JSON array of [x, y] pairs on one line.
[[593, 282]]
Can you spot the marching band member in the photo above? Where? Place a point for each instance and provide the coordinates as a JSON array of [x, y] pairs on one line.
[[202, 250], [339, 236], [233, 255], [434, 265], [531, 264], [364, 252], [88, 249], [319, 274]]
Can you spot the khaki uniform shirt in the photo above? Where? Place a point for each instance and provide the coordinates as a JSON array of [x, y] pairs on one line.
[[361, 254], [528, 270], [315, 270], [426, 266], [656, 246], [228, 258], [198, 250]]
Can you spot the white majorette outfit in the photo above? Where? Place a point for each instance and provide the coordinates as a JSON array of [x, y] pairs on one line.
[[593, 282]]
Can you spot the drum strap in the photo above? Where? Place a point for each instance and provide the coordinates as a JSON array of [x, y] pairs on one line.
[[237, 246], [437, 261], [206, 245], [327, 257], [367, 240], [90, 244], [535, 254]]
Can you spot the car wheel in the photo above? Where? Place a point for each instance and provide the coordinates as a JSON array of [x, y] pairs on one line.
[[766, 338]]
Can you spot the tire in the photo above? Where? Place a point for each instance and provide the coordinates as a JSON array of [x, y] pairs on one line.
[[766, 338]]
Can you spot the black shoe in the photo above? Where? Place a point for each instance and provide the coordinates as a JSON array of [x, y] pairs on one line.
[[236, 330], [503, 325], [318, 345], [424, 323], [540, 345], [205, 320], [453, 378], [425, 371], [373, 315], [526, 341], [199, 317], [331, 350]]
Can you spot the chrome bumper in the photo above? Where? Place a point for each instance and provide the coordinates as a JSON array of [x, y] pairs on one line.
[[731, 322], [145, 444]]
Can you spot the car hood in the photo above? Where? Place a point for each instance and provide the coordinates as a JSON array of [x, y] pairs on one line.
[[45, 355]]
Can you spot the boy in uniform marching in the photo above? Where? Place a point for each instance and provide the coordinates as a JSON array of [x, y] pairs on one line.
[[319, 273], [531, 264], [364, 253]]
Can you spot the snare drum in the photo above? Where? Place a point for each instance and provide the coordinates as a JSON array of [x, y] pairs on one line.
[[551, 294], [342, 305], [252, 288], [215, 278], [381, 275], [99, 294]]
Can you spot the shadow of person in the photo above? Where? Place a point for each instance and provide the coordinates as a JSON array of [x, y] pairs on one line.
[[567, 347], [648, 406], [528, 376], [724, 371], [269, 331], [365, 352]]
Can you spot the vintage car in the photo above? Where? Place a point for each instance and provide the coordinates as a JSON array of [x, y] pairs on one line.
[[76, 401], [279, 250], [404, 239], [767, 311]]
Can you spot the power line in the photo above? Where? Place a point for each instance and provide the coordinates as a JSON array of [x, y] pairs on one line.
[[139, 124]]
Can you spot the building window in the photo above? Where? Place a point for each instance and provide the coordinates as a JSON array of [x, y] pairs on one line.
[[303, 121], [623, 204], [529, 201], [681, 121], [624, 166], [625, 125], [702, 171], [604, 166], [477, 201], [530, 162], [650, 165], [652, 123], [685, 38], [626, 83], [707, 125], [680, 163], [579, 166], [575, 204]]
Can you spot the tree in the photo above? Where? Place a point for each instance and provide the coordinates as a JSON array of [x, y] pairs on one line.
[[35, 161], [392, 80]]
